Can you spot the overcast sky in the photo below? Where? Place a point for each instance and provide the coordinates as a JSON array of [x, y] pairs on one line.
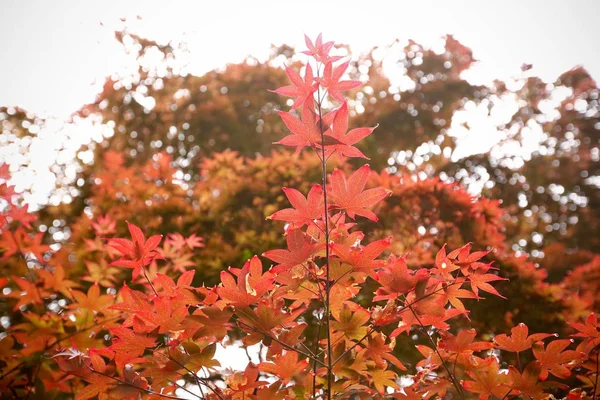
[[52, 51]]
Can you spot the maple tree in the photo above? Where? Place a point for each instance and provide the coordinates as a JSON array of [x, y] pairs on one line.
[[329, 313]]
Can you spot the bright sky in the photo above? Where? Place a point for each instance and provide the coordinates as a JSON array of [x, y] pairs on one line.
[[52, 52]]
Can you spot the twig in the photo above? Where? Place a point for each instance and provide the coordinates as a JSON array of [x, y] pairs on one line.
[[166, 396], [452, 377], [283, 344], [327, 269]]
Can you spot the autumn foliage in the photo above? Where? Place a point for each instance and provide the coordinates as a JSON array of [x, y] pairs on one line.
[[358, 301]]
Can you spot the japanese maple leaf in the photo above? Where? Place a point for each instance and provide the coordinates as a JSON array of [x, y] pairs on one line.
[[247, 381], [132, 301], [488, 381], [479, 280], [101, 273], [260, 322], [56, 281], [178, 241], [462, 344], [590, 331], [137, 253], [344, 141], [351, 320], [250, 286], [527, 383], [305, 132], [301, 89], [172, 289], [30, 293], [554, 357], [437, 320], [306, 209], [396, 279], [350, 195], [519, 339], [35, 246], [300, 250], [454, 292], [22, 215], [377, 350], [20, 242], [380, 378], [92, 301], [319, 50], [165, 314], [362, 258], [285, 366], [210, 322], [128, 345], [104, 226], [179, 258], [463, 255], [331, 80]]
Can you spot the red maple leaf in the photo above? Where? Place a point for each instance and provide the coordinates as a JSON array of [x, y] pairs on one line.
[[305, 132], [488, 381], [56, 281], [92, 301], [462, 344], [300, 249], [128, 345], [554, 357], [331, 81], [306, 209], [343, 141], [479, 280], [285, 366], [319, 50], [301, 89], [350, 196], [362, 258], [30, 293], [519, 339], [22, 215], [137, 253], [590, 331], [250, 286], [396, 279], [104, 226]]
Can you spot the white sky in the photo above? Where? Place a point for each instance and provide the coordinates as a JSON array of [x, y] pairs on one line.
[[52, 52]]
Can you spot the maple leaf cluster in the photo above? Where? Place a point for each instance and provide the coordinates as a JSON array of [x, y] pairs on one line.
[[328, 312]]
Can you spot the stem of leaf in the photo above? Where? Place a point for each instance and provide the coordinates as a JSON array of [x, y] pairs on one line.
[[149, 281]]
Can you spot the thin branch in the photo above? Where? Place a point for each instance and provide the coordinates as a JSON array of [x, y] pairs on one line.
[[149, 281], [283, 344], [196, 377], [166, 396], [597, 372], [315, 362], [452, 377], [187, 390], [371, 330]]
